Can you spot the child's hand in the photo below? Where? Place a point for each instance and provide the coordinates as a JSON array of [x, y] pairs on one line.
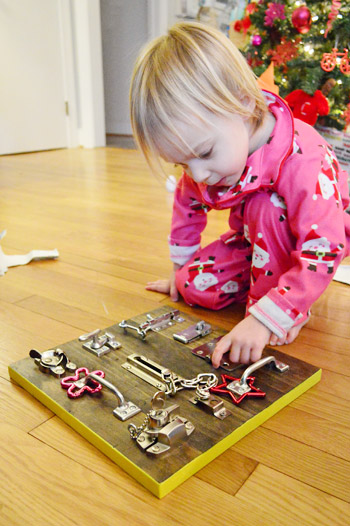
[[245, 342], [166, 286]]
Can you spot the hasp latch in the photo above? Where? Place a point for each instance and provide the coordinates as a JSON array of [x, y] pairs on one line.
[[206, 350], [199, 330]]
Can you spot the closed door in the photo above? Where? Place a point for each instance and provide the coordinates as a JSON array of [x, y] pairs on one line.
[[32, 100]]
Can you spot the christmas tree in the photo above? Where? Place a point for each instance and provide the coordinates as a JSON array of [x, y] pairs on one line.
[[308, 44]]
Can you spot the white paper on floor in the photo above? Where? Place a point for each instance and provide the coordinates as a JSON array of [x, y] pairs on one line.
[[343, 274], [12, 261]]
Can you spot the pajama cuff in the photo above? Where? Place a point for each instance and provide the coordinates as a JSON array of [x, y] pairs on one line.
[[276, 313], [181, 255]]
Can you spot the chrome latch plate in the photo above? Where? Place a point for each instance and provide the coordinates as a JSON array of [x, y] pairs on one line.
[[212, 406], [199, 330]]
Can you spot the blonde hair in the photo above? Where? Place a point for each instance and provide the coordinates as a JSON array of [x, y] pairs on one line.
[[178, 75]]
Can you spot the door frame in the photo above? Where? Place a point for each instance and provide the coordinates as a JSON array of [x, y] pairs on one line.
[[81, 45]]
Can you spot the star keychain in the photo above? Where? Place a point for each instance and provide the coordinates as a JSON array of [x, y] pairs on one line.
[[232, 386], [77, 386]]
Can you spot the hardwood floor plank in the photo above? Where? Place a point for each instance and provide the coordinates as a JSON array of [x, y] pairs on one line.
[[53, 486], [331, 406], [335, 384], [18, 408], [304, 463], [313, 431], [76, 317], [292, 502]]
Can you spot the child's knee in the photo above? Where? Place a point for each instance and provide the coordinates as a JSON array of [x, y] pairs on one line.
[[208, 291]]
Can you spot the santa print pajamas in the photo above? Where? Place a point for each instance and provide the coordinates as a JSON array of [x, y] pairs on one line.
[[288, 228]]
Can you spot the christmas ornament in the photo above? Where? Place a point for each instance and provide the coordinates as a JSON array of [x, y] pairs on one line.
[[275, 11], [336, 5], [251, 8], [330, 60], [307, 107], [301, 19], [327, 87], [256, 40], [243, 24], [284, 52]]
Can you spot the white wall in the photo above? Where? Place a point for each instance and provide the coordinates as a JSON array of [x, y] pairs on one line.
[[124, 32]]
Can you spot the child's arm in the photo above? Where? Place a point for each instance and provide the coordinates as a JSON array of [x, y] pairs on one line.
[[188, 220], [245, 342]]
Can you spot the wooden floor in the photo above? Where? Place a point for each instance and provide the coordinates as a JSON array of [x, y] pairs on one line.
[[109, 219]]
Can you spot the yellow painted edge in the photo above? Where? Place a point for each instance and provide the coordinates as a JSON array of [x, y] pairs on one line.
[[163, 488], [203, 460], [121, 460]]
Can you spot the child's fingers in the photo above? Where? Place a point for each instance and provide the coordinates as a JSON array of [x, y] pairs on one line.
[[273, 339], [243, 356], [255, 355], [161, 285], [221, 348], [174, 295]]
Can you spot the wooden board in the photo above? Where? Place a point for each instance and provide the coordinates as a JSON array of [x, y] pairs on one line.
[[92, 415]]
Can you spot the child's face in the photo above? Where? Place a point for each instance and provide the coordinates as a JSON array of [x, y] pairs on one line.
[[221, 146]]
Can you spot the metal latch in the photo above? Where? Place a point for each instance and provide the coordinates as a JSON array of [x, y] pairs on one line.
[[99, 344], [124, 410], [162, 429], [154, 324], [211, 405], [206, 350], [150, 371], [199, 330], [240, 388], [54, 362]]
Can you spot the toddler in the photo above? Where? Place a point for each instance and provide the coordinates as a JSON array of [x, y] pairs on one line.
[[195, 102]]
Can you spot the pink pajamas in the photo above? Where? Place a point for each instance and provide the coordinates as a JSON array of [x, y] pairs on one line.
[[239, 269], [288, 228]]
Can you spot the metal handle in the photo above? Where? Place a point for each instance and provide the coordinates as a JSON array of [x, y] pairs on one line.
[[109, 386], [260, 363]]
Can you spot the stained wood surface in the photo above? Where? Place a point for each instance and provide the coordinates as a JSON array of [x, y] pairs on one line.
[[109, 219]]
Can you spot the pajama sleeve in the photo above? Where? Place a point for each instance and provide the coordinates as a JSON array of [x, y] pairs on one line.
[[188, 221], [316, 195]]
